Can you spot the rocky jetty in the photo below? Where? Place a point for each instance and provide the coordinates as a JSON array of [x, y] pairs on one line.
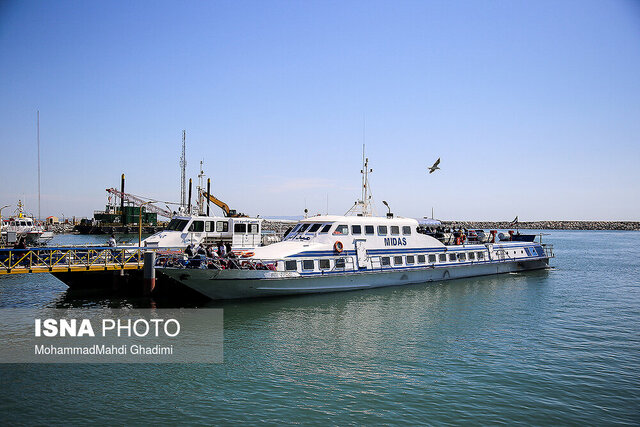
[[547, 225]]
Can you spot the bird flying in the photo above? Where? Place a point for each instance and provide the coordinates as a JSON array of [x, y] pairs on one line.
[[433, 168]]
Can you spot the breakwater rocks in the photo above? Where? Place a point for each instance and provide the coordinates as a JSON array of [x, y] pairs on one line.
[[278, 227], [547, 225]]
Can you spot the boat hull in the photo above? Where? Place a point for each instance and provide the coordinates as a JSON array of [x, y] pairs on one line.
[[237, 284]]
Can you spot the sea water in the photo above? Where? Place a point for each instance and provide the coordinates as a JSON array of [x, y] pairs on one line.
[[546, 347]]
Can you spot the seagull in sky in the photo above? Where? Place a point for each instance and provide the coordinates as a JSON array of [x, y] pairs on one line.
[[433, 168]]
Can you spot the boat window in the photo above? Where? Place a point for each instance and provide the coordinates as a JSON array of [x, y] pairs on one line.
[[395, 230], [325, 229], [239, 228], [308, 264], [325, 264], [197, 226], [209, 226], [340, 262], [385, 260], [472, 256], [462, 256], [382, 230], [304, 228], [411, 259], [356, 229], [368, 229], [341, 229], [397, 260], [480, 255], [314, 228], [432, 258], [420, 259], [452, 257], [253, 228], [222, 226], [406, 230], [177, 224], [290, 266], [296, 228], [442, 257]]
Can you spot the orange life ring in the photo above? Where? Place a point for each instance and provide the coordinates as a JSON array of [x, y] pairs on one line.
[[247, 254], [338, 247]]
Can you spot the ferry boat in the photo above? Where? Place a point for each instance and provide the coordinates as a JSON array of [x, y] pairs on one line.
[[355, 251]]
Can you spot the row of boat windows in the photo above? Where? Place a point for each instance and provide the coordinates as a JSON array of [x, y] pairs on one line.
[[211, 226], [325, 264], [19, 223], [343, 230]]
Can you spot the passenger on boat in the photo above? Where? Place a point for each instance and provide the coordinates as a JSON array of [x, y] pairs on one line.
[[189, 250], [222, 250], [210, 252], [112, 241]]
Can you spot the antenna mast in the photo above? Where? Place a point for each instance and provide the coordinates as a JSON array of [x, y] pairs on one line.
[[183, 169], [38, 126], [364, 207], [200, 190]]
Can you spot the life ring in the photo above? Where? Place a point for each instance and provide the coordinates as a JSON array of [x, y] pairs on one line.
[[338, 246], [247, 254]]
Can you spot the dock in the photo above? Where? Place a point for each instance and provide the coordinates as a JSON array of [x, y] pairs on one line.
[[70, 259]]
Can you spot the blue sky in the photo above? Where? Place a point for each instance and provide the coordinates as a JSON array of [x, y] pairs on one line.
[[534, 107]]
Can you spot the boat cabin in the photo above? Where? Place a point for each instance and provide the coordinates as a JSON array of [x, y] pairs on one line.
[[240, 233]]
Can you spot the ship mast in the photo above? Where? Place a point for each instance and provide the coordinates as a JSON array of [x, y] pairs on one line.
[[183, 169], [200, 190], [364, 206]]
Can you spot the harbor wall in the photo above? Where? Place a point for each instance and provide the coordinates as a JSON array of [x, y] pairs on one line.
[[547, 225]]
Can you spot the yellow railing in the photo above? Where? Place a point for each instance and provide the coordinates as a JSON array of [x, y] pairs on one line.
[[62, 259]]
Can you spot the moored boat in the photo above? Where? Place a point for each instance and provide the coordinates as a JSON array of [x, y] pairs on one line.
[[360, 251]]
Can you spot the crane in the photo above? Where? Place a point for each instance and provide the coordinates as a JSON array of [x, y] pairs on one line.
[[222, 205], [138, 201]]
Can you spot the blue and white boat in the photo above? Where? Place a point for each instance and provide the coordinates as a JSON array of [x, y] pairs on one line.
[[359, 251]]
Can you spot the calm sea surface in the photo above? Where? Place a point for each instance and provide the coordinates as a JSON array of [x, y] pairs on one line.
[[547, 347]]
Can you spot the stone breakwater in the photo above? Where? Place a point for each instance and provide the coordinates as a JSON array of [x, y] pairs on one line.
[[547, 225], [278, 227]]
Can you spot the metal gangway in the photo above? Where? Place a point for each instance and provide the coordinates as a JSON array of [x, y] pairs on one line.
[[71, 259]]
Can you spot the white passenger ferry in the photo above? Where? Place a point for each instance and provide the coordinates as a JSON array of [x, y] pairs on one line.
[[344, 253]]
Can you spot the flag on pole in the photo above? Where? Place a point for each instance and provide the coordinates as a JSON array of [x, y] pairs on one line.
[[515, 221]]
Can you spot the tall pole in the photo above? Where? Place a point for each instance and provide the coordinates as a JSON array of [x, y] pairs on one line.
[[208, 193], [189, 202], [123, 218], [183, 171], [38, 126]]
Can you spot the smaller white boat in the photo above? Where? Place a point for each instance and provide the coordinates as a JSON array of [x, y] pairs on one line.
[[21, 226], [243, 234]]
